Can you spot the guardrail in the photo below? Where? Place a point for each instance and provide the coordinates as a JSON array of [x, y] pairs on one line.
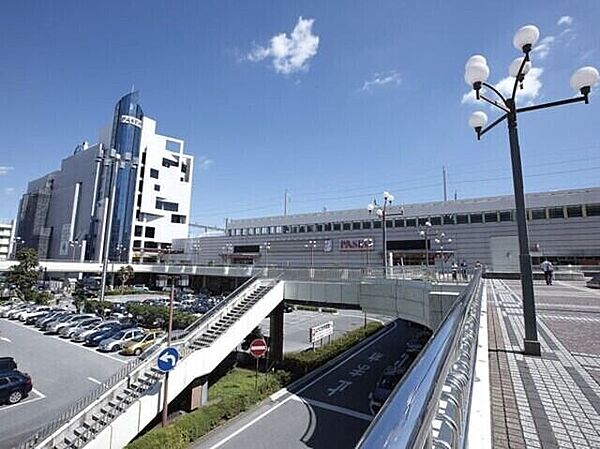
[[430, 407], [146, 358]]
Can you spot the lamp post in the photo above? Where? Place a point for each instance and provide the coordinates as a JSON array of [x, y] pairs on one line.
[[441, 240], [312, 244], [74, 244], [476, 75], [267, 247], [116, 162], [227, 251], [120, 248], [368, 245], [424, 233], [196, 247], [17, 241], [382, 212]]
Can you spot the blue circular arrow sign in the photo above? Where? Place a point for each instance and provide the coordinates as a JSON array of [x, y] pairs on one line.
[[167, 359]]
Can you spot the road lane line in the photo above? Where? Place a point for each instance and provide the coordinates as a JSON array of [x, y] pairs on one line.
[[587, 290], [8, 340], [96, 381], [39, 393], [333, 408], [289, 398], [25, 402]]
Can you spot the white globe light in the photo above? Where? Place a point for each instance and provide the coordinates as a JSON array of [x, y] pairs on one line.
[[475, 59], [370, 207], [527, 35], [379, 213], [476, 73], [584, 77], [386, 195], [513, 70], [478, 119], [390, 198]]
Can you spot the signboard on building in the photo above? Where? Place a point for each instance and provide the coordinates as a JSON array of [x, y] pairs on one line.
[[356, 244], [321, 331], [328, 246], [129, 120]]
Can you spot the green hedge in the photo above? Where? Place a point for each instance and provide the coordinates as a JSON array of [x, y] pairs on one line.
[[230, 396], [97, 307], [308, 308], [300, 363], [152, 316]]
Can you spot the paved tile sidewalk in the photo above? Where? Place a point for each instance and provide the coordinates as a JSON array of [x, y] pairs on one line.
[[545, 402]]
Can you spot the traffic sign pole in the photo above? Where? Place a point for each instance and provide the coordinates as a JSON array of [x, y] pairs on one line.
[[258, 347], [165, 409]]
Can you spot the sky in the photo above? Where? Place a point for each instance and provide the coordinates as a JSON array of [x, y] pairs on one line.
[[334, 101]]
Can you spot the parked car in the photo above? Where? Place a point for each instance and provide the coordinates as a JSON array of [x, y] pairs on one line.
[[81, 334], [33, 317], [140, 288], [7, 364], [141, 343], [68, 330], [95, 338], [34, 310], [116, 341], [8, 313], [594, 282], [14, 386], [41, 322], [55, 328], [388, 381]]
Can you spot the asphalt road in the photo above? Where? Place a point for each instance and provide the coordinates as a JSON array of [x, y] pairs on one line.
[[61, 372], [328, 411], [298, 323]]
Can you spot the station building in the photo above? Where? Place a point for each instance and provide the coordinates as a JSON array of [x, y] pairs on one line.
[[564, 226], [130, 191]]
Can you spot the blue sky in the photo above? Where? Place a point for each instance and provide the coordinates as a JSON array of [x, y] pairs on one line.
[[352, 99]]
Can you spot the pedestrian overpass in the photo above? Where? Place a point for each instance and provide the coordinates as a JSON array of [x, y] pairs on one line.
[[114, 414]]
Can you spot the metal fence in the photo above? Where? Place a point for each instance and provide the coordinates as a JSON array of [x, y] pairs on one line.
[[430, 407]]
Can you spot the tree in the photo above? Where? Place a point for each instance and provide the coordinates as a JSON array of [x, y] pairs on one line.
[[125, 274], [24, 276], [79, 297]]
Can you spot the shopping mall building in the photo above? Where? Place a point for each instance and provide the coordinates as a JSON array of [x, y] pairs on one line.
[[564, 226]]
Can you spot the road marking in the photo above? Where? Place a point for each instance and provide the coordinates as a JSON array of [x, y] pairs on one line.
[[8, 340], [333, 408], [310, 384], [25, 402], [96, 381], [587, 290]]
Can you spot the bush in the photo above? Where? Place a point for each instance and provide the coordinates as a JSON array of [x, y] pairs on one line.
[[38, 297], [300, 363], [328, 310], [230, 396], [96, 306], [152, 316], [308, 308]]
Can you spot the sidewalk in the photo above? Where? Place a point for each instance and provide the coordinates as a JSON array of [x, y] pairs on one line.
[[552, 401]]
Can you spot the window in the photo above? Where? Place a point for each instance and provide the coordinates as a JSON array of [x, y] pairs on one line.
[[181, 220], [294, 229], [310, 228], [506, 215], [250, 231], [166, 205], [238, 232], [448, 219], [476, 218], [366, 225], [556, 212], [399, 223], [143, 158], [347, 226], [319, 228], [423, 220], [265, 230], [302, 229], [435, 221], [154, 173], [285, 229], [327, 227], [399, 245], [462, 219], [337, 226], [246, 249], [139, 201], [137, 243], [278, 229], [538, 214], [171, 145], [574, 211], [491, 217], [150, 245], [592, 210], [169, 163], [377, 224], [256, 231], [138, 231], [156, 188], [149, 232], [356, 226], [411, 222], [389, 223]]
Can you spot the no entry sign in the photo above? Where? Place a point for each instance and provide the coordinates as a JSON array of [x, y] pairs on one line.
[[258, 347]]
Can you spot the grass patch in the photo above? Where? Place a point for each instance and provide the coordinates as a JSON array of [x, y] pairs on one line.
[[307, 308], [328, 310]]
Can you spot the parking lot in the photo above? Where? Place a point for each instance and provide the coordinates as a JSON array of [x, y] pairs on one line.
[[61, 371]]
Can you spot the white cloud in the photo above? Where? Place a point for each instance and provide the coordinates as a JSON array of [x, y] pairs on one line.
[[391, 77], [532, 86], [5, 169], [565, 20], [9, 190], [204, 163], [541, 50], [290, 54]]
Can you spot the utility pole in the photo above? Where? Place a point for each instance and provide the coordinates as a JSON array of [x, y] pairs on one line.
[[285, 201], [445, 183]]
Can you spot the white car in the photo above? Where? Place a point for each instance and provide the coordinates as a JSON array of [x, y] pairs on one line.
[[115, 343], [24, 315]]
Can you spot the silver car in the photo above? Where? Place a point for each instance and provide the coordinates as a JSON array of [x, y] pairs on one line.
[[69, 330], [115, 343], [55, 327]]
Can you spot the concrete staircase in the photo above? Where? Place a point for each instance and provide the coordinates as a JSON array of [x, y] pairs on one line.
[[118, 415]]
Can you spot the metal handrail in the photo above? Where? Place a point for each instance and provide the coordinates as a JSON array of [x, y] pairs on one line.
[[124, 372], [405, 421]]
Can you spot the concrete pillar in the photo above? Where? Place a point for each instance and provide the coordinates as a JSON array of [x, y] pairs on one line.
[[276, 333], [203, 281]]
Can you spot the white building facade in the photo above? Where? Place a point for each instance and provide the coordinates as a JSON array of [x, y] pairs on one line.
[[6, 238]]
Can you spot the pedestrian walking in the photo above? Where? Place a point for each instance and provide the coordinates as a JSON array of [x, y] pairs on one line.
[[463, 269], [548, 270], [454, 271]]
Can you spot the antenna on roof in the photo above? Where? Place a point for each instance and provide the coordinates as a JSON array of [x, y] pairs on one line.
[[445, 185], [455, 195], [132, 88]]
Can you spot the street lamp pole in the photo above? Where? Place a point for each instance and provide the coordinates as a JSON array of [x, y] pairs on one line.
[[476, 75], [382, 212], [425, 235], [312, 244], [267, 247]]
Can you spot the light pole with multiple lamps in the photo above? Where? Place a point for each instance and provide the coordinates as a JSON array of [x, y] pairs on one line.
[[382, 212], [196, 247], [476, 75], [74, 244], [17, 241], [267, 247], [441, 240], [424, 233], [312, 244], [227, 252]]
